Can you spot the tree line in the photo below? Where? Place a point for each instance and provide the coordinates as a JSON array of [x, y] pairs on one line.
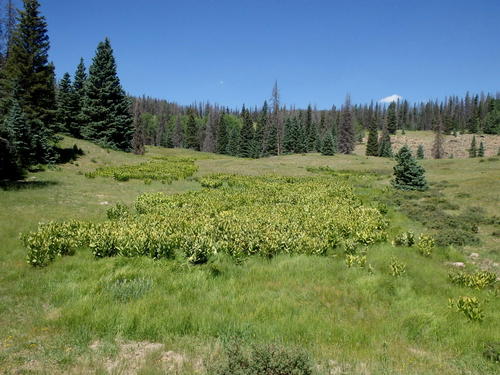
[[91, 104], [34, 109], [274, 129]]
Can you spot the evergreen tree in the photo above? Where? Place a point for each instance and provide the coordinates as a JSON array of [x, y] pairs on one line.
[[106, 108], [392, 122], [473, 148], [233, 143], [178, 133], [80, 78], [138, 137], [289, 140], [438, 147], [66, 106], [480, 151], [247, 136], [372, 142], [222, 136], [192, 139], [385, 146], [408, 174], [491, 122], [262, 125], [272, 144], [420, 152], [16, 130], [328, 147], [28, 78], [346, 129]]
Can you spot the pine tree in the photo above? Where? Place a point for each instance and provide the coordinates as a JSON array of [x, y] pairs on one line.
[[473, 148], [106, 108], [80, 78], [328, 147], [408, 174], [272, 144], [491, 122], [66, 106], [480, 151], [178, 133], [18, 134], [420, 152], [192, 139], [138, 137], [372, 142], [289, 140], [222, 134], [346, 129], [392, 122], [385, 146], [260, 131], [437, 147], [28, 77], [233, 143], [247, 135]]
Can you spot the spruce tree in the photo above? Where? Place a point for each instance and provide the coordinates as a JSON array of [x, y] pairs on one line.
[[192, 139], [247, 136], [28, 77], [16, 129], [420, 152], [233, 142], [408, 174], [138, 137], [221, 134], [262, 126], [438, 147], [392, 122], [346, 129], [289, 140], [106, 108], [66, 106], [80, 78], [328, 147], [480, 151], [385, 146], [372, 142], [178, 133], [473, 148]]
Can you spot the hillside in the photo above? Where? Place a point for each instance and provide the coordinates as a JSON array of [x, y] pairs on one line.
[[135, 314]]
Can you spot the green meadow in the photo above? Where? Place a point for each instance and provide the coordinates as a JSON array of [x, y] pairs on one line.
[[83, 315]]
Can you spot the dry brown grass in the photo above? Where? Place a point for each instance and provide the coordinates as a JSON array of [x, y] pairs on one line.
[[456, 147]]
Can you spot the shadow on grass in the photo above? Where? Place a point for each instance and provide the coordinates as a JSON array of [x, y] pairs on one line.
[[65, 155], [24, 185]]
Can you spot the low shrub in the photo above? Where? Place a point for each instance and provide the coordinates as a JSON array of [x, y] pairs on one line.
[[260, 359]]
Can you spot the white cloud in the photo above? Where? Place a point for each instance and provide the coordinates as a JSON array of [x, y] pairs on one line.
[[390, 99]]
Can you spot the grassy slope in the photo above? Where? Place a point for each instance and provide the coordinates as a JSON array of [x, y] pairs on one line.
[[367, 323]]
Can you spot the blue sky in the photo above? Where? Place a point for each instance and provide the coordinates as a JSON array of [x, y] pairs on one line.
[[231, 52]]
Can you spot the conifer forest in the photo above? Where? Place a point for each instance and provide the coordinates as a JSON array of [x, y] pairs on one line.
[[144, 235]]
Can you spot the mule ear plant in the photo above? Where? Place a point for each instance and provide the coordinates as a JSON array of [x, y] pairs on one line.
[[406, 239], [425, 245], [469, 306], [397, 268]]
